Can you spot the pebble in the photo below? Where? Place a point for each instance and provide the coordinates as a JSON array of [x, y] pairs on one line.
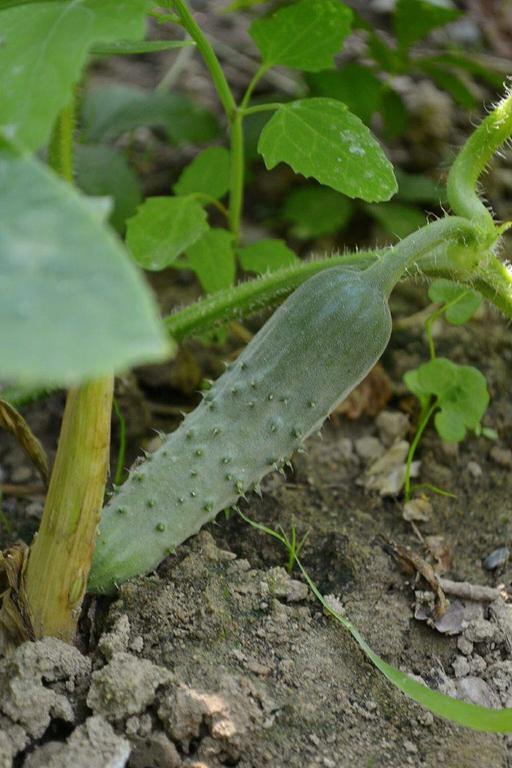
[[501, 456], [296, 591], [369, 448], [21, 474], [480, 631], [474, 469], [476, 690], [465, 646], [496, 558], [410, 747], [461, 666], [392, 426]]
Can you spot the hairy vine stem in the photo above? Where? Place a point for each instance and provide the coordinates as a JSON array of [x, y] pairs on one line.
[[472, 160]]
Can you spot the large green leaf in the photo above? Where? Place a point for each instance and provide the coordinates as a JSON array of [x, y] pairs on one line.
[[44, 47], [212, 258], [207, 174], [102, 170], [304, 35], [315, 211], [397, 219], [114, 109], [73, 306], [416, 18], [266, 256], [354, 85], [163, 228], [320, 138]]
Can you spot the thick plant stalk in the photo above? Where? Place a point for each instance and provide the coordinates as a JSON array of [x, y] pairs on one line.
[[60, 556]]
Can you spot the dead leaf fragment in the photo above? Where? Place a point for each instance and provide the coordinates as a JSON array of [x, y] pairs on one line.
[[387, 474], [369, 398], [417, 510]]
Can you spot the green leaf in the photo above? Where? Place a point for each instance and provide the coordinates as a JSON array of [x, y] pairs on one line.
[[461, 302], [73, 304], [315, 211], [397, 219], [130, 48], [112, 110], [467, 63], [266, 256], [207, 174], [411, 381], [44, 47], [101, 170], [320, 138], [416, 188], [458, 86], [163, 228], [354, 85], [395, 117], [304, 35], [414, 19], [461, 392], [450, 426], [212, 258]]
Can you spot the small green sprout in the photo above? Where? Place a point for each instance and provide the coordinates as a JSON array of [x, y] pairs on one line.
[[455, 395], [292, 545]]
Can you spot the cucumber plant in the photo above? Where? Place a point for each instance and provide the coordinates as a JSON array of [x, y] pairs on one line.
[[76, 309]]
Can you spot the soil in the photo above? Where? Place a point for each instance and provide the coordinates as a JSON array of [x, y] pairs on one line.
[[222, 658]]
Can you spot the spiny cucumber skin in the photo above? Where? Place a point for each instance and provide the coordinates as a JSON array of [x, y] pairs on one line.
[[305, 360]]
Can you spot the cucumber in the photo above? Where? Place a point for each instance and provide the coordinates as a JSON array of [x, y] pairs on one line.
[[303, 362], [307, 358]]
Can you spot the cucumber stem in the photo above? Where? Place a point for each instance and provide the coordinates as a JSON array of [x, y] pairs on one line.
[[61, 554]]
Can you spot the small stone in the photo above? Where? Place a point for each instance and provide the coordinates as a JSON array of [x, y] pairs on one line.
[[474, 469], [392, 426], [480, 631], [262, 670], [476, 691], [297, 591], [465, 646], [410, 747], [501, 456], [496, 558], [478, 665], [155, 750], [461, 666], [346, 448], [369, 448], [21, 474], [137, 644]]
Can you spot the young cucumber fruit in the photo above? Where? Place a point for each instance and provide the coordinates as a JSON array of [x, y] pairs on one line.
[[308, 357]]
